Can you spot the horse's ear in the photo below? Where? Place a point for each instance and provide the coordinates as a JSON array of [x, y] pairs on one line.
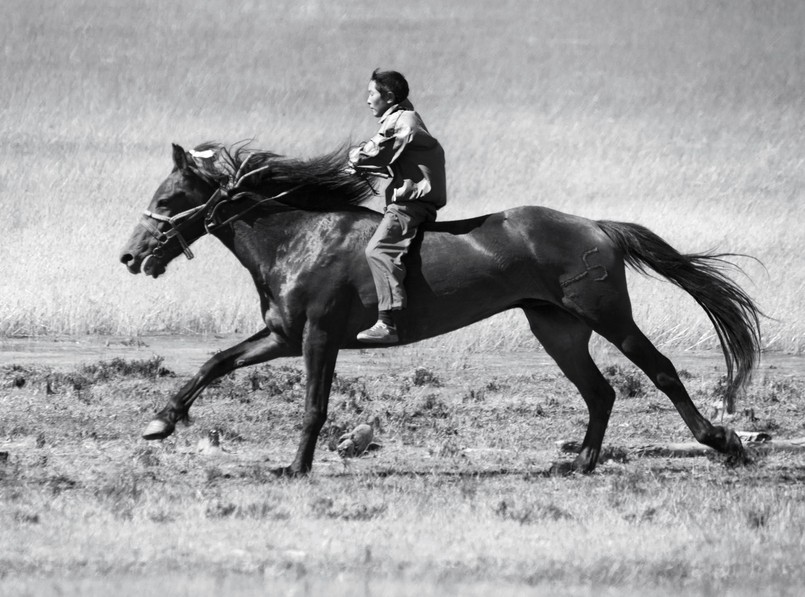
[[179, 157]]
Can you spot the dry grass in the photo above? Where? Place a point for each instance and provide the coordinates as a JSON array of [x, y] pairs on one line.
[[681, 116], [454, 502]]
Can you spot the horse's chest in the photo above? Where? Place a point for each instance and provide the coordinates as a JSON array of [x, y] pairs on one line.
[[274, 321]]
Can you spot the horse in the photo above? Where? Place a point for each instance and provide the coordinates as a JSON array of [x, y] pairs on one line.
[[300, 228]]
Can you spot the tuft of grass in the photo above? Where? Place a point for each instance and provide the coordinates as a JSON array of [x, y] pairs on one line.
[[786, 390], [529, 512], [150, 368], [80, 380], [431, 406], [147, 457], [121, 494], [346, 509], [26, 517], [425, 377], [757, 517], [284, 380], [629, 382], [219, 509], [474, 396], [60, 483], [16, 376]]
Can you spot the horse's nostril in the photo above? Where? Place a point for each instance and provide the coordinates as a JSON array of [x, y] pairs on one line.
[[125, 258]]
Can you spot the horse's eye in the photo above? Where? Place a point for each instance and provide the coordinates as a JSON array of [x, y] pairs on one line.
[[167, 201]]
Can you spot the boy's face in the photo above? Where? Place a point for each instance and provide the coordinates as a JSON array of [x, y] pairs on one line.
[[378, 101]]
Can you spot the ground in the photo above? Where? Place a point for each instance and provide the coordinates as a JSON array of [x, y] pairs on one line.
[[457, 499]]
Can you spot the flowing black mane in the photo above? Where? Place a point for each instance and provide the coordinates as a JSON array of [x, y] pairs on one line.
[[322, 183]]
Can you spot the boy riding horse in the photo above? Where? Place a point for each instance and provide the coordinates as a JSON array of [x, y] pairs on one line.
[[406, 152]]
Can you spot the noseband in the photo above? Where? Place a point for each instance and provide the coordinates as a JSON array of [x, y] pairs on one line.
[[208, 211], [176, 224]]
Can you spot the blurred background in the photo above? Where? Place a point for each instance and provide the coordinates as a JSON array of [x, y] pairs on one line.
[[685, 116]]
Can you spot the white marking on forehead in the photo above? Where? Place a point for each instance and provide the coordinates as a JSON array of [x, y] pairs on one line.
[[206, 154]]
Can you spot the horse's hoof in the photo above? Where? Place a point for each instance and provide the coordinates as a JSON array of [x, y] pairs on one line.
[[727, 442], [734, 444], [286, 472], [736, 454], [158, 429]]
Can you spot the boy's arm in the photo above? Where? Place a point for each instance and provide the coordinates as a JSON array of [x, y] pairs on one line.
[[378, 154]]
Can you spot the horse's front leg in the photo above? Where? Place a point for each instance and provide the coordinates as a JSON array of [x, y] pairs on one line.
[[261, 347], [320, 352]]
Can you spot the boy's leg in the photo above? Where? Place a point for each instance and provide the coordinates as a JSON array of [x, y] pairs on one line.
[[385, 253]]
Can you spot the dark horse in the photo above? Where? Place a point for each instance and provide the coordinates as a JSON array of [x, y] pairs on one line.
[[298, 227]]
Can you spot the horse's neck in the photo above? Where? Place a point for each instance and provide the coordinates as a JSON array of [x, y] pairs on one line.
[[255, 241], [268, 240]]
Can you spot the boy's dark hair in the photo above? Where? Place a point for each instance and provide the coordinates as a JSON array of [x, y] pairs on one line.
[[390, 81]]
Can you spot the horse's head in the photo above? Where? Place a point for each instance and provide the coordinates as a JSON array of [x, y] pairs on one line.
[[174, 219]]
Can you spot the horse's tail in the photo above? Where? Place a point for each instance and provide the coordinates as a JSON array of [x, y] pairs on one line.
[[732, 311]]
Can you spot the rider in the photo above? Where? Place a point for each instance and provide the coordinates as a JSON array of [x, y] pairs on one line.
[[406, 152]]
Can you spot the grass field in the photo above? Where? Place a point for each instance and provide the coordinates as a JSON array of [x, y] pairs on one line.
[[455, 502], [683, 116]]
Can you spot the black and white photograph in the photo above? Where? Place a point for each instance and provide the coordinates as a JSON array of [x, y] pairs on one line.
[[438, 297]]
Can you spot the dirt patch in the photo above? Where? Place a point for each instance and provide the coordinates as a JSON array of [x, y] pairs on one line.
[[185, 354]]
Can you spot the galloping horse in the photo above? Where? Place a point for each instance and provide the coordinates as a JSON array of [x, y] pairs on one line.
[[298, 227]]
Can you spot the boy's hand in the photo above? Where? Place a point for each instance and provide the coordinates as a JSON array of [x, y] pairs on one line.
[[354, 154]]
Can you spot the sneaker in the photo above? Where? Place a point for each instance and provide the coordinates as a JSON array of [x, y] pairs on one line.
[[379, 333]]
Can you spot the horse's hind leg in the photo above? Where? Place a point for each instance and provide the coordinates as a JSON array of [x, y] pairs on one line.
[[639, 349], [565, 338], [261, 347]]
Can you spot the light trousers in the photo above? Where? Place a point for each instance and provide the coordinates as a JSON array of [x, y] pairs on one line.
[[388, 246]]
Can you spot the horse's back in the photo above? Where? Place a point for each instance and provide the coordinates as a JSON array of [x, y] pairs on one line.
[[539, 234], [532, 216], [540, 230]]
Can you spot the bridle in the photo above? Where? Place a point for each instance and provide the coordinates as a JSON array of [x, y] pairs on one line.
[[176, 223], [209, 211]]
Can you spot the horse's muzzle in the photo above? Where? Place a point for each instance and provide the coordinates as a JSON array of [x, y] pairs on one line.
[[132, 264], [152, 266]]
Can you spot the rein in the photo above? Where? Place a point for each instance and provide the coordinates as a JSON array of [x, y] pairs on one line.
[[208, 210], [211, 225]]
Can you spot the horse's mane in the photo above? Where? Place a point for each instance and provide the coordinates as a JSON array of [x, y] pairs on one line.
[[318, 183]]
